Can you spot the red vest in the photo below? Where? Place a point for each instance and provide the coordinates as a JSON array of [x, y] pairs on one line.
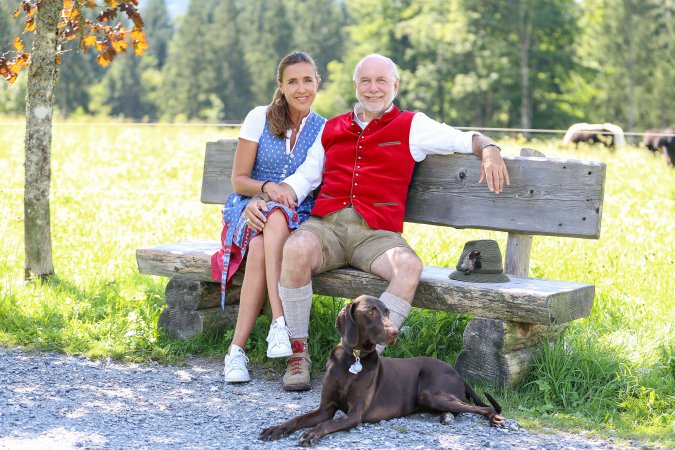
[[369, 169]]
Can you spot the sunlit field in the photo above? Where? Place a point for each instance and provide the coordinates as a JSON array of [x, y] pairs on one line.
[[117, 188]]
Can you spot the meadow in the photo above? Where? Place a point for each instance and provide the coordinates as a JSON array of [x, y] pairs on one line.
[[119, 187]]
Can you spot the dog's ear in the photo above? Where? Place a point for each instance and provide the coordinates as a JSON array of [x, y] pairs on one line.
[[346, 325]]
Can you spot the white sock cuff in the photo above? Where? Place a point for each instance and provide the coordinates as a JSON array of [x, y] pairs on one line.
[[295, 294], [398, 308], [297, 304]]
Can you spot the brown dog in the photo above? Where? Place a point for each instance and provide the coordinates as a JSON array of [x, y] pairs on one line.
[[370, 388]]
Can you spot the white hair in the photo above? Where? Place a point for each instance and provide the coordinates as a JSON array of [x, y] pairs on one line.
[[394, 69]]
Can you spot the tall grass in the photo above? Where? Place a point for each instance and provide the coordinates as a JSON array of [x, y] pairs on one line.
[[117, 188]]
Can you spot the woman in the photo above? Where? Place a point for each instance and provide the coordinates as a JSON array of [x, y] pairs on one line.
[[273, 142]]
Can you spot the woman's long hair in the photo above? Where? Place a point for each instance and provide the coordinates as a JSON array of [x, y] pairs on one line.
[[278, 114]]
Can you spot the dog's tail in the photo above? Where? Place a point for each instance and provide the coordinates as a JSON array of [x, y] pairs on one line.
[[494, 403], [471, 395]]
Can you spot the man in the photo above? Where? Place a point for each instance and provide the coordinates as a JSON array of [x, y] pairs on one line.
[[365, 160]]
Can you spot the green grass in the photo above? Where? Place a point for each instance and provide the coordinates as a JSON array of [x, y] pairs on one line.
[[117, 188]]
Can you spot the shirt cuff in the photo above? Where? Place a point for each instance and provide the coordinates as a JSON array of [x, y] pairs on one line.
[[299, 185]]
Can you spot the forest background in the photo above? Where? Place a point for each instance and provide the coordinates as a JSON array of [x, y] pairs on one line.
[[520, 64]]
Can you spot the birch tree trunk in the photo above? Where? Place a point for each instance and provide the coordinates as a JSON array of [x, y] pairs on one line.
[[40, 89]]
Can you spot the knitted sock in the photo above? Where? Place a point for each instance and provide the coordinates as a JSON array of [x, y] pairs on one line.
[[398, 312], [297, 303], [398, 308]]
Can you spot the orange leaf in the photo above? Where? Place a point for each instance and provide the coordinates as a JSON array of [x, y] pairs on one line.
[[119, 45], [30, 24], [16, 13], [88, 41], [57, 60], [18, 45], [137, 35], [104, 59], [140, 47]]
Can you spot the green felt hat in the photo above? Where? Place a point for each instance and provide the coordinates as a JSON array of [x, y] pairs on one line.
[[480, 262]]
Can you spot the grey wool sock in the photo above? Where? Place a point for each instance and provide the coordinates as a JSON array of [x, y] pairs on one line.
[[398, 308], [398, 312], [297, 302]]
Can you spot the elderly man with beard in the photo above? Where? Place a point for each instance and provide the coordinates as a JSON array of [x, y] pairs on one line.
[[364, 163]]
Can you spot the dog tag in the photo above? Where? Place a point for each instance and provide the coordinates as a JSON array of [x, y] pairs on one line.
[[356, 367]]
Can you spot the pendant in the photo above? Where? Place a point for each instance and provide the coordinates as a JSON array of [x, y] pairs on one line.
[[356, 367]]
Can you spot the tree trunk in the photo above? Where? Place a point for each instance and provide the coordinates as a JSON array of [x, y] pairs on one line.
[[524, 49], [628, 21], [39, 94]]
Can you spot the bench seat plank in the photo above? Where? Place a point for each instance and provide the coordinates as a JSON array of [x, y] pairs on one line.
[[529, 300]]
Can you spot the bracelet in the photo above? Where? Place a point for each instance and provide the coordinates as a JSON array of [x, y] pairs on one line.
[[262, 188], [491, 145]]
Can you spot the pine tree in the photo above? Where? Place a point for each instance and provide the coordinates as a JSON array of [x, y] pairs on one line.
[[234, 79], [190, 74], [159, 30]]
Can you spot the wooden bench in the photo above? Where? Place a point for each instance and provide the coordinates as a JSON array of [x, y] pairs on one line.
[[546, 197]]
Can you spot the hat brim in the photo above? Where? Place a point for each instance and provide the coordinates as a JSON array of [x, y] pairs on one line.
[[480, 277]]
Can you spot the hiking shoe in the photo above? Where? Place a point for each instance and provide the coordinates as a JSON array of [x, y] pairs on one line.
[[278, 341], [235, 366], [298, 367]]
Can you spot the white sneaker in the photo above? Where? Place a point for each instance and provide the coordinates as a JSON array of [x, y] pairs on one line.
[[278, 340], [235, 366]]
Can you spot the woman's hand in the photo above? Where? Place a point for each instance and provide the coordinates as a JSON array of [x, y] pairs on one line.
[[255, 218], [280, 194]]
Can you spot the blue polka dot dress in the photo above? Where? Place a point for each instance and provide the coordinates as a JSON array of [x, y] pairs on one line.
[[274, 164]]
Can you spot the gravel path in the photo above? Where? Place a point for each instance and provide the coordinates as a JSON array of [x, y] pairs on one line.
[[55, 401]]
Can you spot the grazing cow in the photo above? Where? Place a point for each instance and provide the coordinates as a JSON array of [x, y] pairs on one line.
[[662, 141], [608, 134], [651, 139]]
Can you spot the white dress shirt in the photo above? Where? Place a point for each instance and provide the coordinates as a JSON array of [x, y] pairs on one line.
[[254, 125], [427, 137]]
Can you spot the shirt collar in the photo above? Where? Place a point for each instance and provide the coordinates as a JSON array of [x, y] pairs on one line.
[[359, 109]]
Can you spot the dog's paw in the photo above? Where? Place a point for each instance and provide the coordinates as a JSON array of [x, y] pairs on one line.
[[497, 421], [272, 433], [309, 438], [447, 418]]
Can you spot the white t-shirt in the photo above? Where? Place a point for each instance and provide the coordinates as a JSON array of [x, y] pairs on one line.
[[427, 137], [254, 125]]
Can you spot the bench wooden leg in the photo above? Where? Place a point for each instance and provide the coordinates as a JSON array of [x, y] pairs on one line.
[[500, 352], [194, 306]]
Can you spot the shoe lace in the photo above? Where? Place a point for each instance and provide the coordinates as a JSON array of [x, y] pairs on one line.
[[295, 365], [278, 333], [238, 362]]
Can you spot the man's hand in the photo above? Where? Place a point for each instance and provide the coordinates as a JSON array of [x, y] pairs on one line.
[[281, 193], [493, 169]]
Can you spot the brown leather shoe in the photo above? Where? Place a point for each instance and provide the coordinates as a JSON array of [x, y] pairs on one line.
[[298, 367]]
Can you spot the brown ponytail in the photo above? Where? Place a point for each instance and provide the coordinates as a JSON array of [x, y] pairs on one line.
[[278, 115]]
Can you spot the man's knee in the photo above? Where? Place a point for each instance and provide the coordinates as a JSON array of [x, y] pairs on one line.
[[406, 262], [302, 249]]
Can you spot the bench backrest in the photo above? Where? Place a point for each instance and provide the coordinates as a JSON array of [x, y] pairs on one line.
[[558, 197]]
